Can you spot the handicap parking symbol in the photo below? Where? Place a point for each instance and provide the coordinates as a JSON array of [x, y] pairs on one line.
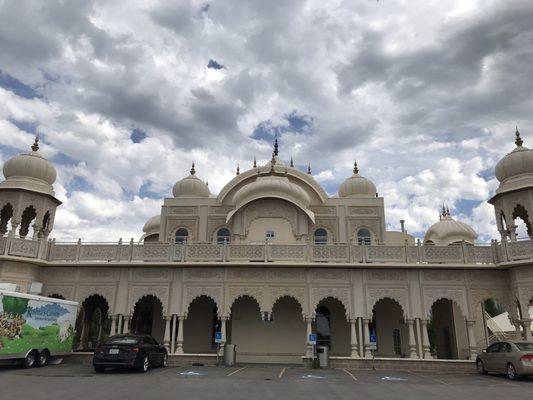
[[392, 378], [192, 373], [310, 376]]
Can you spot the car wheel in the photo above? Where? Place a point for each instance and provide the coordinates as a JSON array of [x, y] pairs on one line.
[[29, 361], [99, 369], [144, 364], [42, 359], [511, 372], [480, 367], [165, 360]]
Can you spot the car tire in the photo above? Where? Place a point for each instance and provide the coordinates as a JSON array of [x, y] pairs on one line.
[[480, 367], [29, 360], [99, 369], [511, 372], [42, 358], [165, 360], [143, 364]]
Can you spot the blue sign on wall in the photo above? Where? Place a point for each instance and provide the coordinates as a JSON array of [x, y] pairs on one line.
[[218, 337], [373, 342], [312, 338]]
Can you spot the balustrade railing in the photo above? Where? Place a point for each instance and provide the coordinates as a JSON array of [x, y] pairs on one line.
[[268, 252]]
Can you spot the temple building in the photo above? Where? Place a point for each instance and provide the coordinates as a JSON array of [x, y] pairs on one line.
[[273, 258]]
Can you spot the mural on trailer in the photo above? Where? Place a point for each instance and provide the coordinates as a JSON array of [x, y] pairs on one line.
[[27, 323]]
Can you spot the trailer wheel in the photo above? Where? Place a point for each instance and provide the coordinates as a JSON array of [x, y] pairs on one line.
[[42, 359], [30, 359]]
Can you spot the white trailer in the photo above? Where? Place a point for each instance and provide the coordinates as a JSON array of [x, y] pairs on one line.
[[34, 328]]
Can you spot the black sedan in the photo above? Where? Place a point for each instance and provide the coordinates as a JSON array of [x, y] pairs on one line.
[[139, 352]]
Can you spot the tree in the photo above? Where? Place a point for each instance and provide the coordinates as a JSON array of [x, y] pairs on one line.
[[15, 305]]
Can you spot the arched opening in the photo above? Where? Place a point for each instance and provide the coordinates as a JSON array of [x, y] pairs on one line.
[[364, 237], [46, 223], [331, 326], [200, 327], [93, 325], [246, 327], [391, 331], [521, 220], [147, 317], [286, 332], [448, 337], [28, 215], [181, 235], [5, 216], [154, 237], [223, 236], [321, 236], [495, 323]]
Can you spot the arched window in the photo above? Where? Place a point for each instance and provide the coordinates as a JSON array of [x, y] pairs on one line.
[[5, 216], [321, 236], [364, 237], [223, 235], [181, 235], [323, 326], [28, 216]]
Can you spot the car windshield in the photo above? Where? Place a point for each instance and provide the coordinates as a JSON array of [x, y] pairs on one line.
[[123, 340], [528, 346]]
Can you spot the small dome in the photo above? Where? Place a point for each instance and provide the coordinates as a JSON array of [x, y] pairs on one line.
[[448, 231], [517, 162], [271, 185], [190, 186], [357, 186], [30, 171], [152, 225]]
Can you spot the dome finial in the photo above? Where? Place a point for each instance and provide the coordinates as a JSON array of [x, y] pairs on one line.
[[35, 145], [355, 168], [309, 168], [518, 140], [292, 163], [193, 171], [276, 150], [255, 163], [238, 170]]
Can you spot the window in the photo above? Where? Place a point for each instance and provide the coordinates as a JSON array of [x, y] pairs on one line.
[[364, 237], [223, 235], [181, 236], [321, 236], [397, 342], [270, 235], [494, 348]]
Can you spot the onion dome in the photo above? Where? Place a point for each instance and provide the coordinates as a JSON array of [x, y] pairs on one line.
[[449, 231], [272, 186], [151, 229], [516, 167], [30, 171], [357, 186], [191, 186]]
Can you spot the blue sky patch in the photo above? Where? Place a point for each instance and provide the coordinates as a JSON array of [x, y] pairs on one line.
[[17, 87], [214, 64], [137, 136]]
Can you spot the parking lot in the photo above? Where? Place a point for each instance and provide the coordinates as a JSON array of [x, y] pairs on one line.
[[69, 381]]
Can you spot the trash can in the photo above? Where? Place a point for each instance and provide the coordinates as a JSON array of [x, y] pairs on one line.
[[230, 355], [322, 353]]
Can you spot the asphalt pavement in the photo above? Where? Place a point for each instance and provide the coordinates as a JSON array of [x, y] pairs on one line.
[[75, 381]]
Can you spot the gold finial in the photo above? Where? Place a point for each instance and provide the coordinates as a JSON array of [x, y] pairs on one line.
[[193, 171], [276, 151], [272, 162], [292, 163], [238, 169], [355, 168], [309, 168], [255, 163], [518, 140], [35, 145]]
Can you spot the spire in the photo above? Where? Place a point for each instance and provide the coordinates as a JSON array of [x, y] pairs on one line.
[[238, 169], [309, 168], [273, 161], [447, 211], [276, 150], [206, 182], [193, 171], [292, 163], [255, 163], [518, 140], [35, 145], [355, 168]]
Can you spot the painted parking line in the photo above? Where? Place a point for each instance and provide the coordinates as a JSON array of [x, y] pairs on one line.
[[351, 375], [281, 373], [234, 372]]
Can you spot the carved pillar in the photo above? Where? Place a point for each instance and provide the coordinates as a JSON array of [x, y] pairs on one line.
[[14, 226], [518, 332], [361, 341], [366, 334], [113, 325], [179, 344], [425, 338], [353, 337], [127, 322], [412, 340], [36, 230], [173, 334], [166, 339], [223, 320], [526, 325], [512, 232], [471, 339], [308, 346]]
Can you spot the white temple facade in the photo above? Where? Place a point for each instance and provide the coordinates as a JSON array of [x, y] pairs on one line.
[[273, 258]]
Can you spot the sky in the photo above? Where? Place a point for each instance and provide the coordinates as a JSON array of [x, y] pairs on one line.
[[425, 95]]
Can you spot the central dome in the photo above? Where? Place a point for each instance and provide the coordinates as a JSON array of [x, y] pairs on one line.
[[357, 186], [191, 186], [272, 186]]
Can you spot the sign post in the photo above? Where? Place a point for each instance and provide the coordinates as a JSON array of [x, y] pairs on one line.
[[218, 340], [373, 347], [312, 341]]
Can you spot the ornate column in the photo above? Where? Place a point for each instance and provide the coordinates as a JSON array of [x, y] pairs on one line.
[[518, 332], [412, 340], [308, 346], [366, 334], [127, 322], [173, 334], [471, 339], [14, 225], [223, 320], [166, 339], [512, 232], [526, 325], [425, 339], [353, 338], [179, 341], [360, 334], [113, 325]]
